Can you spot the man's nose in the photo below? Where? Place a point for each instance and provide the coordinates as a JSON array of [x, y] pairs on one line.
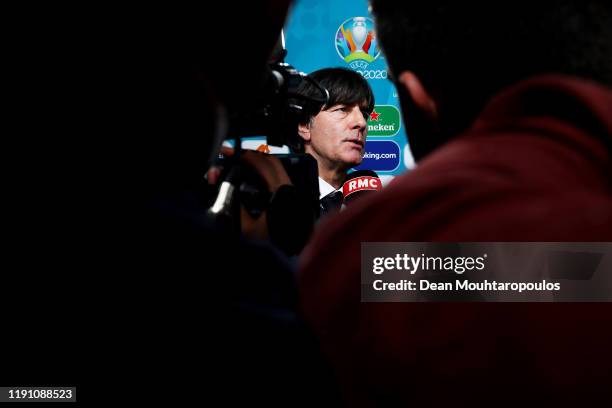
[[358, 121]]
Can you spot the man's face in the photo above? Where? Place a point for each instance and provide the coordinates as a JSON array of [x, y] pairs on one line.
[[338, 135]]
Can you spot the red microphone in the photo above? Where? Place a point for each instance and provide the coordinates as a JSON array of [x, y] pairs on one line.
[[360, 183]]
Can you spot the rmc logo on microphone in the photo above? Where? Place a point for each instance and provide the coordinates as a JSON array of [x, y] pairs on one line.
[[360, 184]]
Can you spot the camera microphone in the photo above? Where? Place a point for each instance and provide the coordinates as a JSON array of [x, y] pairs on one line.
[[360, 183]]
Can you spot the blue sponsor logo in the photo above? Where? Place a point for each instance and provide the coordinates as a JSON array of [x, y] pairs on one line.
[[380, 155]]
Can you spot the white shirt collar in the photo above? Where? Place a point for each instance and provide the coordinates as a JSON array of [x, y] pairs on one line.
[[325, 188]]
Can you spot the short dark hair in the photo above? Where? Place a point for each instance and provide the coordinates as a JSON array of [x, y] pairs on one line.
[[470, 50], [345, 87]]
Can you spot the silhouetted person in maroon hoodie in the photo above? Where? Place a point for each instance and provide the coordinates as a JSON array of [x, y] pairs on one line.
[[508, 110]]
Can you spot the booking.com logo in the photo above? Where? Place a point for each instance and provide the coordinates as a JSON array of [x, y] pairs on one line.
[[380, 155], [356, 42]]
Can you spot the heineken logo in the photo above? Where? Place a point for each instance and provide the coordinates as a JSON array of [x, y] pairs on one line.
[[384, 121]]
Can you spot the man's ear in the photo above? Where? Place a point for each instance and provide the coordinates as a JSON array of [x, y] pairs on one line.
[[420, 97], [420, 114], [304, 131]]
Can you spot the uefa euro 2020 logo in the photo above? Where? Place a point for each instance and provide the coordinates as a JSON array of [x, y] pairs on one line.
[[356, 42]]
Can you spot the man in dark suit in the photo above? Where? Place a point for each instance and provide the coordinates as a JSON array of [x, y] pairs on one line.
[[335, 135]]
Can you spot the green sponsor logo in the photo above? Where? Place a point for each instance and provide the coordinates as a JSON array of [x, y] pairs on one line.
[[384, 121]]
